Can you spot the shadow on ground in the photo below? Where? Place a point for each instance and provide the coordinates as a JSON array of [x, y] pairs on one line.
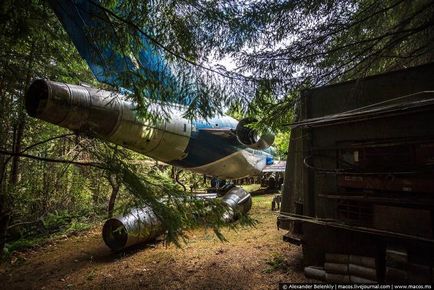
[[203, 263]]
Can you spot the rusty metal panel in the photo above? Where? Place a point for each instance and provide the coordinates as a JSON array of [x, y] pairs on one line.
[[403, 220], [358, 93], [325, 148]]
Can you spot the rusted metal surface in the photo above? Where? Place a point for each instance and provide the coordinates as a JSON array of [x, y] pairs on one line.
[[239, 202], [360, 167], [250, 138], [109, 116], [138, 226], [141, 225]]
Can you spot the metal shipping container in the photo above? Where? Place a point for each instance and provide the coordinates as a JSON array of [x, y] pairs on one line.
[[359, 179]]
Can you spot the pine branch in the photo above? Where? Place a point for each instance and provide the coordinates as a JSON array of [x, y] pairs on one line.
[[166, 49], [93, 164]]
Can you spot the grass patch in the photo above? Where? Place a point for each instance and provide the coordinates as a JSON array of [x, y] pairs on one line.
[[277, 263], [76, 227], [23, 244], [55, 226], [262, 199], [251, 187]]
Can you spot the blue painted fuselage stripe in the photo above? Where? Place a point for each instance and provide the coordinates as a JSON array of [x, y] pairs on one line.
[[205, 148]]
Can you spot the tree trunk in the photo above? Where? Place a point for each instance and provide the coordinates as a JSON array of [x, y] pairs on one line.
[[4, 128], [17, 147], [5, 199], [114, 182], [4, 223], [19, 129], [178, 181], [4, 213]]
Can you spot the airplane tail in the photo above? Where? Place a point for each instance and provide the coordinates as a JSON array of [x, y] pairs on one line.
[[112, 61]]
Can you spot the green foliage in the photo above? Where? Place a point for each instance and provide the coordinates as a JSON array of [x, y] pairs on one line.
[[176, 209], [23, 244], [76, 227], [281, 144], [277, 263], [51, 226], [33, 44], [64, 221], [278, 47], [283, 47], [56, 219]]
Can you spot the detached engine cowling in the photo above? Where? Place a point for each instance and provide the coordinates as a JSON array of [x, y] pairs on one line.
[[250, 138]]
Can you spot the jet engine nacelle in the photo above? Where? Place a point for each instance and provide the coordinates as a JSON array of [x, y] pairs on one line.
[[250, 138]]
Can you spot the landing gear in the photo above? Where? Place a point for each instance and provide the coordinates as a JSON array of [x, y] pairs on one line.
[[217, 183], [271, 182], [224, 189], [220, 186], [275, 204]]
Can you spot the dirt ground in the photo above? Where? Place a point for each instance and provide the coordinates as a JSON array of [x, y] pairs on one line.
[[253, 258]]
